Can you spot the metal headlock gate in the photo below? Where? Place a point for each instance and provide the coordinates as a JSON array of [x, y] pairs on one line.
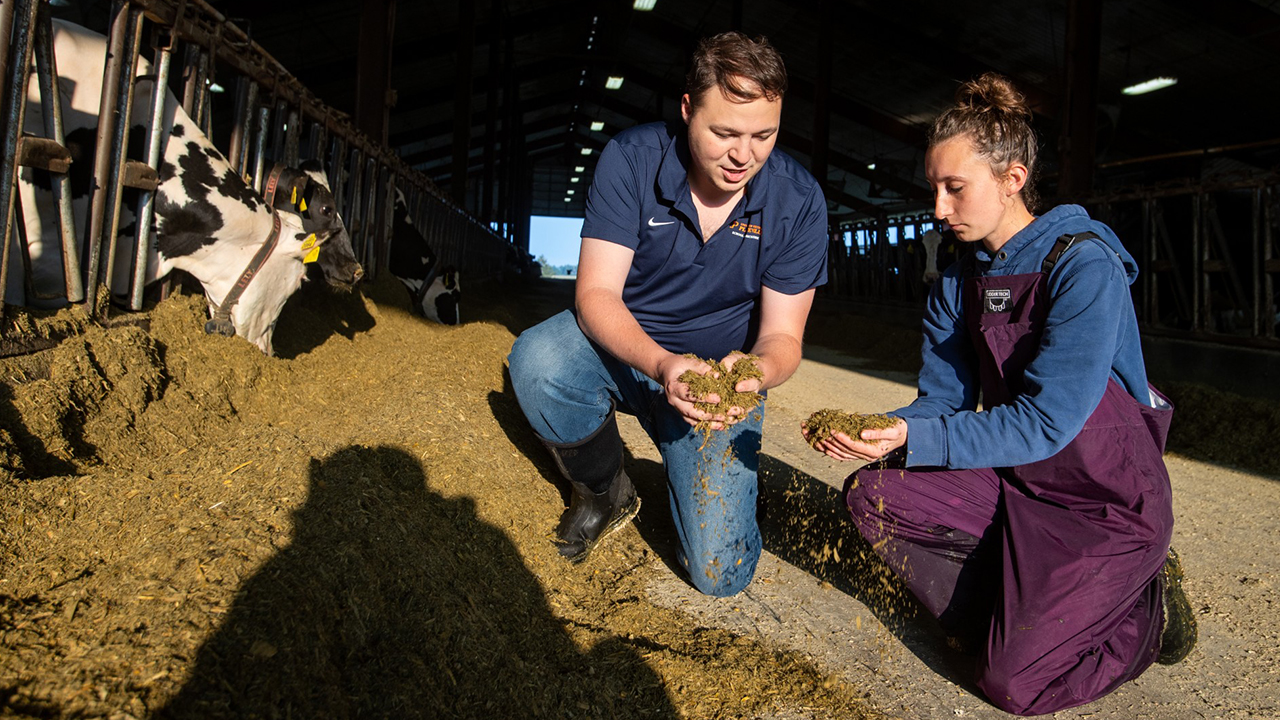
[[271, 110], [1207, 254], [881, 261], [1208, 258]]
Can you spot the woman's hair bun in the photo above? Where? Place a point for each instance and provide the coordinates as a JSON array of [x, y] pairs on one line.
[[992, 93]]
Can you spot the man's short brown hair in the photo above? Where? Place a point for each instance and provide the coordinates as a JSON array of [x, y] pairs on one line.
[[743, 69]]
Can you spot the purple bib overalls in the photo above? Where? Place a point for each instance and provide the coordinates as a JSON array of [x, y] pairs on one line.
[[1051, 567]]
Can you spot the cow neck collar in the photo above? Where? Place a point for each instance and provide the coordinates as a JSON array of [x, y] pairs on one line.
[[221, 323], [273, 181]]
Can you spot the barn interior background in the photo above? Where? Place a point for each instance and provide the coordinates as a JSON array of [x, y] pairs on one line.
[[488, 113], [183, 519]]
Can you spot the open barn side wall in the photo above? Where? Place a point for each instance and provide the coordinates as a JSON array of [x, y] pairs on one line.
[[1208, 258]]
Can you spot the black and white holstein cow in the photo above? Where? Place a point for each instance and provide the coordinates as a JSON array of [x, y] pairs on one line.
[[434, 291], [207, 222]]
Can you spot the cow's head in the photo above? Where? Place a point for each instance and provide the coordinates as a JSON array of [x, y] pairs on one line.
[[304, 191]]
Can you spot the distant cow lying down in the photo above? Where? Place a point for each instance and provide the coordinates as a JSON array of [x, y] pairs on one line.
[[434, 292], [208, 222]]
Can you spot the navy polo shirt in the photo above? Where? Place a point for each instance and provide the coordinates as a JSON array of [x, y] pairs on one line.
[[691, 296]]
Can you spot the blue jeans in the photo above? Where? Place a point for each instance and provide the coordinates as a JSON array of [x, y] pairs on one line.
[[566, 385]]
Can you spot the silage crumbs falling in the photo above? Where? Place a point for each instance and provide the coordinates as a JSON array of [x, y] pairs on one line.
[[827, 422]]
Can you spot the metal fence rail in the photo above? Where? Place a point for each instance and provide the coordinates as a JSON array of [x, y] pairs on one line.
[[1207, 254], [272, 112], [879, 261]]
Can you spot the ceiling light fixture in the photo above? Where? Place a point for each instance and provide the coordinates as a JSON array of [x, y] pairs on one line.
[[216, 88], [586, 151], [872, 166], [1151, 85], [644, 5], [574, 179], [597, 126], [613, 83], [579, 168]]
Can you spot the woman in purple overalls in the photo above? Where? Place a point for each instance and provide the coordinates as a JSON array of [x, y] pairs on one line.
[[1036, 529]]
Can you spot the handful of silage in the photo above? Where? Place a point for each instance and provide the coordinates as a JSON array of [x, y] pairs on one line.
[[723, 385], [825, 423]]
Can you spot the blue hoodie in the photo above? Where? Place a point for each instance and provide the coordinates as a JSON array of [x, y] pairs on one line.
[[1090, 335]]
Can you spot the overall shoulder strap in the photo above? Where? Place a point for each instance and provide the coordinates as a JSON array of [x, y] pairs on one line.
[[1061, 246]]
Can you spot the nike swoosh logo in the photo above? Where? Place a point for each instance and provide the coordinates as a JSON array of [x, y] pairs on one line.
[[656, 224]]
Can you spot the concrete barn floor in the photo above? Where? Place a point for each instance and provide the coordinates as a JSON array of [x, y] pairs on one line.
[[1226, 532]]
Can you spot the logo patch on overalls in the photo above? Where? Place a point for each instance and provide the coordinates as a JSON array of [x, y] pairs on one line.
[[996, 300]]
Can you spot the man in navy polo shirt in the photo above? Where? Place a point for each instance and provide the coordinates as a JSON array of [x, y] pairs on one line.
[[698, 240]]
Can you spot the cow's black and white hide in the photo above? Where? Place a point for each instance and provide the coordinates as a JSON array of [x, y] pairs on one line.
[[207, 222], [931, 241], [434, 291]]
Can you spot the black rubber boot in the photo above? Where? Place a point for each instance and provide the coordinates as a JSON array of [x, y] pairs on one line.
[[1179, 634], [603, 497]]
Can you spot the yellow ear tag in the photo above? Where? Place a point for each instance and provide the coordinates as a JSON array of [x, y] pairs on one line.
[[302, 205], [293, 198], [313, 250]]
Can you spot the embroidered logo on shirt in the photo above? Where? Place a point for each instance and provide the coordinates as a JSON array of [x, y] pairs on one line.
[[657, 224], [742, 229], [996, 300]]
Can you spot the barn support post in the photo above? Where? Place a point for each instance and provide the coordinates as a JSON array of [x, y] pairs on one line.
[[822, 91], [1083, 56], [1255, 246], [373, 68], [1269, 262], [155, 133], [47, 72], [1149, 313], [1199, 290], [491, 116], [15, 103], [462, 99]]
